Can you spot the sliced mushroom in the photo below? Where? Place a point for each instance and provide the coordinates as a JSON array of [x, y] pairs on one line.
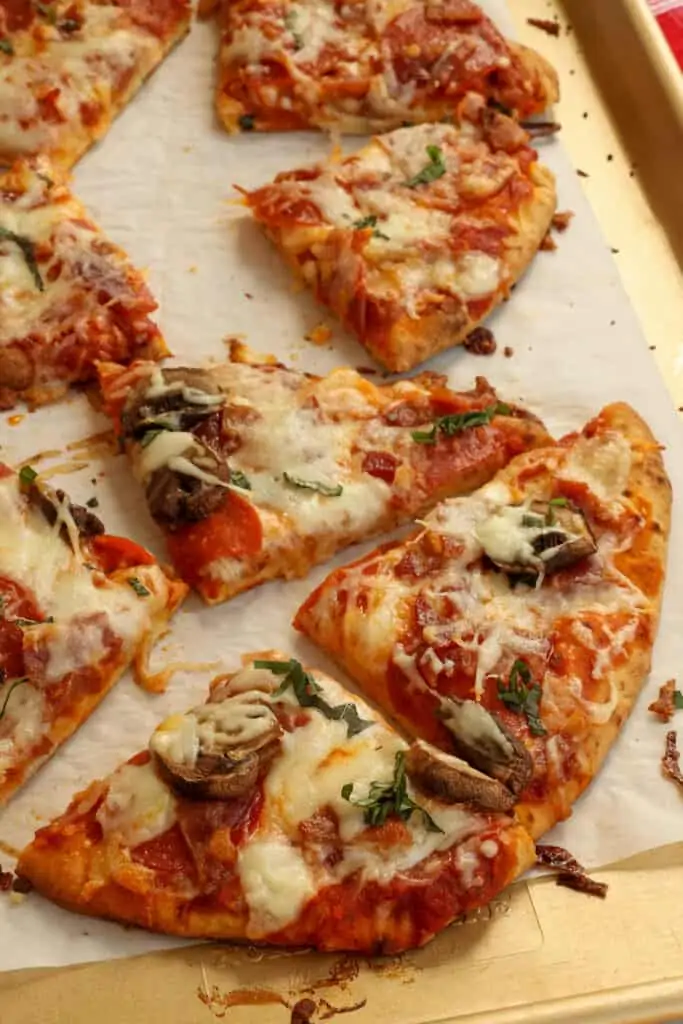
[[453, 780], [174, 399], [55, 505], [189, 487], [218, 751], [480, 737], [535, 539]]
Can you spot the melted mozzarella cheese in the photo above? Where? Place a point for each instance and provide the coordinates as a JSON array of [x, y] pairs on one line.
[[276, 882], [23, 719], [32, 553], [603, 463], [216, 727], [138, 806]]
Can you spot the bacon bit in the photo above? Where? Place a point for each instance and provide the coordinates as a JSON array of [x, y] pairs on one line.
[[670, 764], [562, 219], [548, 244], [480, 342], [570, 873], [665, 705], [508, 352], [552, 28], [319, 335], [303, 1011]]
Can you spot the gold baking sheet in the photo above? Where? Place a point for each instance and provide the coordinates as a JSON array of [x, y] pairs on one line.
[[549, 954]]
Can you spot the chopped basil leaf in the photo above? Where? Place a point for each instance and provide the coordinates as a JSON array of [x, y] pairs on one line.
[[307, 692], [139, 588], [522, 696], [558, 502], [436, 168], [17, 682], [390, 799], [33, 622], [27, 475], [456, 423], [365, 222], [47, 12], [25, 245], [149, 436], [532, 520], [329, 490], [246, 122], [678, 700], [239, 479], [6, 47], [92, 503], [291, 20]]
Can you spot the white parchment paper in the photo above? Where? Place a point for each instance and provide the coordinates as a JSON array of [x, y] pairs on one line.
[[160, 184]]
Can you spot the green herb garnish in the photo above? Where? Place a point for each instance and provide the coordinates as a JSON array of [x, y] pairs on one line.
[[17, 682], [436, 168], [522, 696], [678, 700], [329, 490], [239, 479], [291, 20], [390, 799], [369, 222], [27, 475], [246, 122], [33, 622], [307, 692], [25, 245], [139, 588], [558, 502], [47, 12], [456, 423], [6, 47]]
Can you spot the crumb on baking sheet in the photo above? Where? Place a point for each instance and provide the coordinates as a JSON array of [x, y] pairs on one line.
[[192, 269], [548, 243], [562, 219], [547, 25], [480, 342], [668, 701], [582, 174], [508, 351], [319, 335]]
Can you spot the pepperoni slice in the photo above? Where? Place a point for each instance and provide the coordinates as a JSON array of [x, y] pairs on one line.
[[234, 531], [112, 553], [382, 465]]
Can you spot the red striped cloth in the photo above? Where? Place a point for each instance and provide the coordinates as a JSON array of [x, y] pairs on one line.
[[669, 14]]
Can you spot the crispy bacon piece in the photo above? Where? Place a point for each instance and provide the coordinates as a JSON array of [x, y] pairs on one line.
[[664, 707], [548, 244], [552, 28], [569, 872], [670, 761]]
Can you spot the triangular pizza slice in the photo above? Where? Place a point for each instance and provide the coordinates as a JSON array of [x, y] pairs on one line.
[[414, 239], [68, 295], [77, 607], [255, 471], [515, 628], [283, 811], [68, 67], [362, 67]]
